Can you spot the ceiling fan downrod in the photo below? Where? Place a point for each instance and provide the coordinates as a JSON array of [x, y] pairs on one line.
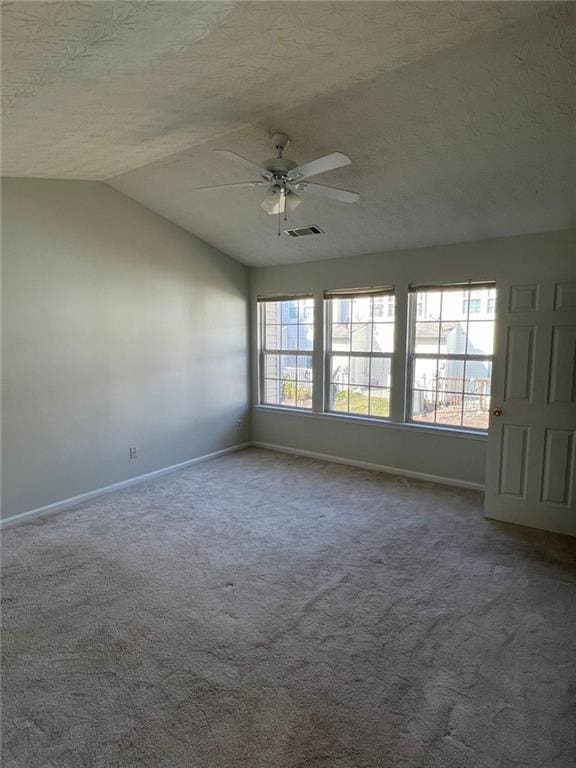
[[280, 141]]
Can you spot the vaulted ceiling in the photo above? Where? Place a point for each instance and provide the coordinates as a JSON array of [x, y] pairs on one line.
[[459, 117]]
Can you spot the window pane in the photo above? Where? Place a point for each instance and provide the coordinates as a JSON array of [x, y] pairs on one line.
[[476, 412], [287, 368], [383, 334], [272, 392], [339, 369], [361, 341], [379, 308], [424, 373], [273, 312], [340, 338], [305, 336], [380, 372], [288, 393], [306, 314], [339, 397], [450, 375], [273, 337], [359, 401], [453, 338], [304, 381], [449, 409], [304, 370], [362, 309], [423, 405], [290, 336], [481, 337], [379, 402], [341, 311], [289, 311], [272, 367], [428, 305], [427, 336], [360, 371], [455, 305], [478, 377], [304, 395]]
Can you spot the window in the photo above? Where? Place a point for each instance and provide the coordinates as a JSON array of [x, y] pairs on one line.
[[286, 344], [360, 342], [450, 361], [384, 309], [472, 306], [490, 305]]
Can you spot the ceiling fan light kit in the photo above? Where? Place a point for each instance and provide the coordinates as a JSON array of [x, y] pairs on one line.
[[284, 178]]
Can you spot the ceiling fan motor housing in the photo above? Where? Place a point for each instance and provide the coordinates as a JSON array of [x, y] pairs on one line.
[[279, 166]]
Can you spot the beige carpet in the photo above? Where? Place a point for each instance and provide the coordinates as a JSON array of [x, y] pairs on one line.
[[269, 611]]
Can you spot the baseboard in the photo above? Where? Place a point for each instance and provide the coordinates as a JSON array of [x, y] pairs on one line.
[[58, 506], [377, 467]]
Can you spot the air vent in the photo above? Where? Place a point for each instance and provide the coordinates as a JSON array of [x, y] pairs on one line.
[[303, 231]]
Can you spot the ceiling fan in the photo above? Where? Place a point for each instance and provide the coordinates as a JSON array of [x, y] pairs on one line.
[[284, 179]]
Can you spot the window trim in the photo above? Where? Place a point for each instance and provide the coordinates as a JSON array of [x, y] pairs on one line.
[[329, 296]]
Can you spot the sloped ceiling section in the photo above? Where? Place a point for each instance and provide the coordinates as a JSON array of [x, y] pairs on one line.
[[458, 116]]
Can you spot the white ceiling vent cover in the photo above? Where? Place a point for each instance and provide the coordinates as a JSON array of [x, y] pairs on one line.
[[303, 231]]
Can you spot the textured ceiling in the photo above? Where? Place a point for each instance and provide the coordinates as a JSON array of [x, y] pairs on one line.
[[458, 117]]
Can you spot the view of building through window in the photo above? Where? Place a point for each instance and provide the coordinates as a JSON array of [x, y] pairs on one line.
[[287, 328], [452, 337], [361, 342]]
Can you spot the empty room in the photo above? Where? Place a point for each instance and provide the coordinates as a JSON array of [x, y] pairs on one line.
[[288, 384]]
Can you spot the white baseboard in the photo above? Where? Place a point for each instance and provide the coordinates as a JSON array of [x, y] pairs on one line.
[[58, 506], [377, 467]]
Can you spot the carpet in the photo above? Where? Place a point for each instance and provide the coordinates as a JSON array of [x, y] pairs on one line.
[[271, 611]]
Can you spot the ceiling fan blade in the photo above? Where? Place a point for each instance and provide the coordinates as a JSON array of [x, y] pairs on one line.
[[235, 185], [320, 165], [254, 167], [342, 195]]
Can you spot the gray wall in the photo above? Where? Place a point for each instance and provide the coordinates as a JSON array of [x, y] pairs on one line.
[[417, 449], [119, 329]]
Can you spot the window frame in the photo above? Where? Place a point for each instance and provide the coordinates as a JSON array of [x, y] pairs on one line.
[[328, 298], [412, 355], [262, 301]]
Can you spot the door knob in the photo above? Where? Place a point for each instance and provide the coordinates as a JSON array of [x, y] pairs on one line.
[[497, 412]]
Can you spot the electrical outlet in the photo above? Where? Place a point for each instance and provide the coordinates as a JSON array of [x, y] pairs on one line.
[[133, 453]]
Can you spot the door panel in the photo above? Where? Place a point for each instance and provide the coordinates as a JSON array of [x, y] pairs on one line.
[[565, 297], [519, 362], [530, 477], [558, 471], [514, 453], [563, 365]]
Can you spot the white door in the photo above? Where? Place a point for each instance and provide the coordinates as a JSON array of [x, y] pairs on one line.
[[531, 467]]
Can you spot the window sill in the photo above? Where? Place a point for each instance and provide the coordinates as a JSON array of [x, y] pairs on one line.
[[467, 434]]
